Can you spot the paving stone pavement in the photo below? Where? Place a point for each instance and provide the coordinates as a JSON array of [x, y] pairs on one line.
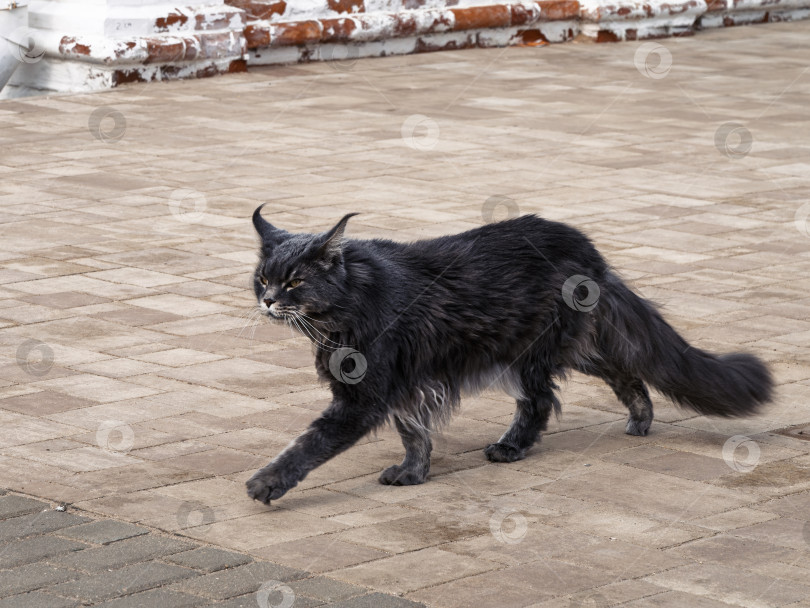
[[77, 560], [137, 388]]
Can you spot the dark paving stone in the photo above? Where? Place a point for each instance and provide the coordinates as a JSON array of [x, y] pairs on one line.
[[325, 589], [37, 599], [209, 559], [13, 506], [125, 552], [129, 579], [32, 577], [377, 600], [104, 531], [238, 581], [156, 598], [251, 601], [34, 549], [37, 523]]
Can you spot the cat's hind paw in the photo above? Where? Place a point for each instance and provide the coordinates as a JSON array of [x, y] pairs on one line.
[[638, 427], [397, 476], [503, 452]]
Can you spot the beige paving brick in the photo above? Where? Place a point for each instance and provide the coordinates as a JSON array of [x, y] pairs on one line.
[[219, 461], [727, 584], [402, 573], [673, 599], [96, 388], [262, 529], [44, 402], [736, 518], [649, 493], [510, 587], [617, 593], [118, 368], [318, 553], [179, 357], [176, 304], [412, 533]]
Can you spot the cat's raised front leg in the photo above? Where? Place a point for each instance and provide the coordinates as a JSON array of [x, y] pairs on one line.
[[414, 469], [338, 428]]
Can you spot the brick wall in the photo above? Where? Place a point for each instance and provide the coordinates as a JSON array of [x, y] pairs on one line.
[[88, 46]]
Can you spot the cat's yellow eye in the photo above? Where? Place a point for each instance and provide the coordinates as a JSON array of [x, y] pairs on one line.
[[294, 283], [263, 281]]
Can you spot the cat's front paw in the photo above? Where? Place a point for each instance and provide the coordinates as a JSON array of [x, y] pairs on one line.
[[397, 476], [266, 485], [503, 452]]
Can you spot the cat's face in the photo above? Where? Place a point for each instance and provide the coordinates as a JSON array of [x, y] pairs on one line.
[[298, 274], [289, 280]]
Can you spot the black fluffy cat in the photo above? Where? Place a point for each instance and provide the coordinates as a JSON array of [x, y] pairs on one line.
[[401, 330]]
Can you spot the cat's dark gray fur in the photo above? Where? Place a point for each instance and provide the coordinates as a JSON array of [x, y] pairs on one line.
[[495, 306]]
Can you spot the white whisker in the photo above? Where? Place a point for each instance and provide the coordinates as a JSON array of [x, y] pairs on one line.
[[249, 318], [302, 317], [302, 323]]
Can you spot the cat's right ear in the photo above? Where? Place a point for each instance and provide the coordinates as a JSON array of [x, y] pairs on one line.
[[269, 234]]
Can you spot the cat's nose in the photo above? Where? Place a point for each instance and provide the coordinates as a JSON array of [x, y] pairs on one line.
[[268, 302]]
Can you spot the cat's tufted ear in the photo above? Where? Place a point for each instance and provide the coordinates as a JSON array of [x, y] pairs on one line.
[[331, 243], [269, 234]]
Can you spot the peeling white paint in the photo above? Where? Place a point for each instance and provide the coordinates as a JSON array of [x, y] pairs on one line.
[[86, 41]]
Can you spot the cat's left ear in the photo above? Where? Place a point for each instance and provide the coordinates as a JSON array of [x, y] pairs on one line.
[[331, 246]]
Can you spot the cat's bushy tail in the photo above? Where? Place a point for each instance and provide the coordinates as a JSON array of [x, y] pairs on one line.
[[636, 336]]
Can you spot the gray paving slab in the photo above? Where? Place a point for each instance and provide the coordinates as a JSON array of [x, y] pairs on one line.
[[13, 505], [104, 531], [37, 523], [31, 577], [36, 548], [125, 552], [155, 598], [110, 584], [37, 599], [377, 600], [208, 559], [325, 589], [238, 581], [250, 601]]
